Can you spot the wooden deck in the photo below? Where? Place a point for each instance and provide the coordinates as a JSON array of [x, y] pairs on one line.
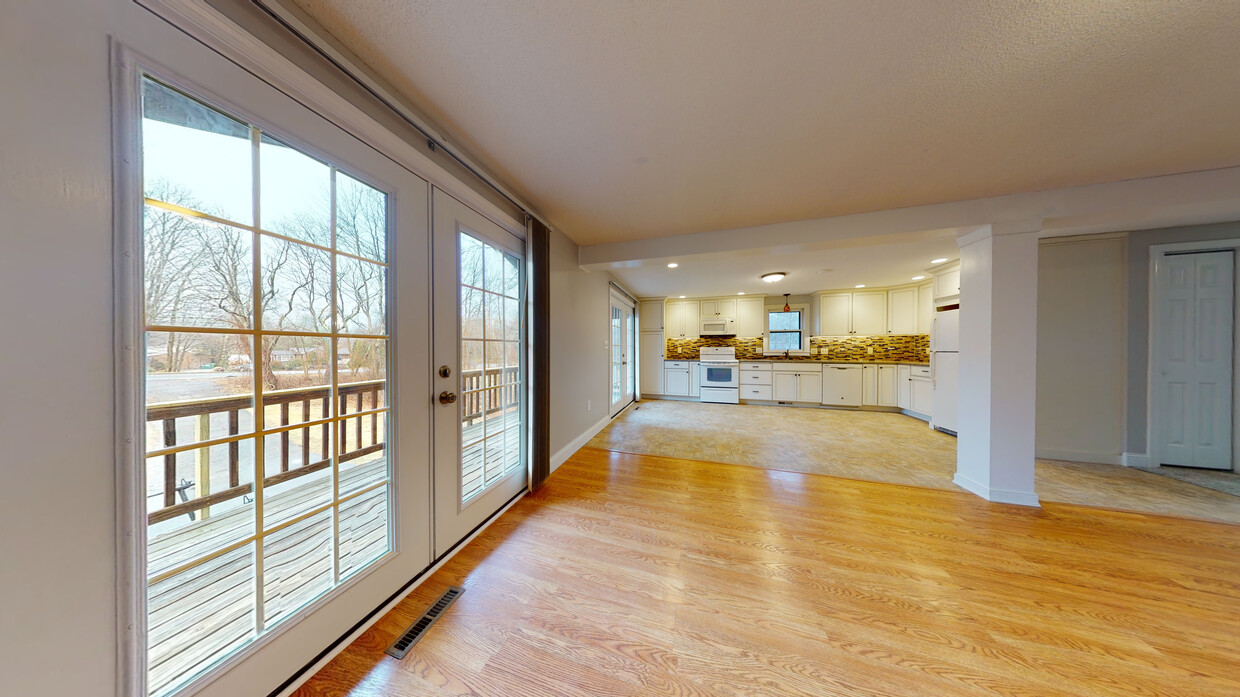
[[200, 615]]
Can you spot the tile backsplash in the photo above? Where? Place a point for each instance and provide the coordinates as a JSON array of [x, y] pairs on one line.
[[911, 348]]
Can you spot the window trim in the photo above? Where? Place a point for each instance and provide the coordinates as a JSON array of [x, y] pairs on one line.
[[766, 329]]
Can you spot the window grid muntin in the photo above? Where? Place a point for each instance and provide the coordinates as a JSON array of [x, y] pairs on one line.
[[256, 333], [510, 376]]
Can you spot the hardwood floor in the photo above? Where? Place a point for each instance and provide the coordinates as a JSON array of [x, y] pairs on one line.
[[641, 575], [883, 447]]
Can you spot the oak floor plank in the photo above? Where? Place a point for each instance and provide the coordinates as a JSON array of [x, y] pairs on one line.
[[642, 575]]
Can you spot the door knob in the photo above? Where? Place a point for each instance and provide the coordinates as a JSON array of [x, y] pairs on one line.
[[446, 397]]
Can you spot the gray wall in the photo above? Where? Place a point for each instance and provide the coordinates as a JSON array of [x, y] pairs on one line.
[[1139, 313], [579, 344], [1081, 348]]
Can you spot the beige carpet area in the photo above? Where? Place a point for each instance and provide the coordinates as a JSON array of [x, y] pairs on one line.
[[882, 447]]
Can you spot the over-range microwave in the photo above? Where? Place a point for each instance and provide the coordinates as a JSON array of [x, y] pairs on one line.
[[717, 326]]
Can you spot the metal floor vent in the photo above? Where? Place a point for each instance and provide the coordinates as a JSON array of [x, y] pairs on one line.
[[418, 629]]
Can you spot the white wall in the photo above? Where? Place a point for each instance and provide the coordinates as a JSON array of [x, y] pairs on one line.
[[56, 473], [580, 307], [1082, 348]]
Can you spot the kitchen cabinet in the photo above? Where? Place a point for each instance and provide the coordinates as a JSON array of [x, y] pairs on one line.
[[650, 362], [947, 284], [719, 307], [904, 389], [695, 379], [878, 386], [796, 382], [925, 307], [682, 319], [762, 392], [650, 316], [750, 317], [921, 395], [902, 311], [676, 378], [858, 313], [755, 377], [842, 385]]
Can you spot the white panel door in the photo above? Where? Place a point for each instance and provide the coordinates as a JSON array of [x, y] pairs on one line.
[[651, 360], [1193, 332], [480, 404]]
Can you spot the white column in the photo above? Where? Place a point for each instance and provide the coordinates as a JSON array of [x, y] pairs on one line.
[[998, 362]]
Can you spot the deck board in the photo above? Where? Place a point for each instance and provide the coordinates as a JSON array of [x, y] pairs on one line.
[[198, 616]]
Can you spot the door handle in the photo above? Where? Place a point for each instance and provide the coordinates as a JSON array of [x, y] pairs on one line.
[[446, 397]]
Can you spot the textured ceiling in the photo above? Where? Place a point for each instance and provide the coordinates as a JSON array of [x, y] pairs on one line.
[[629, 120]]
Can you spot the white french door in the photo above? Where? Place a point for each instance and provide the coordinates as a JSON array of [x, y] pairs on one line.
[[1193, 367], [273, 298], [621, 334], [479, 381]]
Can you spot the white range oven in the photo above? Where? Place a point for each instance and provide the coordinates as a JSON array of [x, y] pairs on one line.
[[721, 375]]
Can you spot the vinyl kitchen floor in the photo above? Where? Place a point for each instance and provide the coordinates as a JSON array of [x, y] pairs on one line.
[[882, 447]]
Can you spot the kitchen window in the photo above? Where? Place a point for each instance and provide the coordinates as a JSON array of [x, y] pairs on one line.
[[785, 331]]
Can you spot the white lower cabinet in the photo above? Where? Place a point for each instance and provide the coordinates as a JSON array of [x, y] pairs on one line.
[[921, 395], [676, 378], [762, 392], [904, 388], [797, 382], [879, 386], [842, 385], [695, 379]]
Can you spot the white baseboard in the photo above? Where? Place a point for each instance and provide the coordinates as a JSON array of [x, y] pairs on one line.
[[1018, 498], [293, 686], [1079, 456], [561, 456], [916, 415], [1135, 460]]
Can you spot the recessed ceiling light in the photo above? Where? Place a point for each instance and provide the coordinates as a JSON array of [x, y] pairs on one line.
[[672, 265], [859, 285], [741, 293], [940, 260], [918, 278], [682, 296], [774, 276]]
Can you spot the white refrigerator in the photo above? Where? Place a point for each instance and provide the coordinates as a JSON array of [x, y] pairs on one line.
[[945, 368]]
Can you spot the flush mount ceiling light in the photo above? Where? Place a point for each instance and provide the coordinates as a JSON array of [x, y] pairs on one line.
[[918, 278], [940, 260], [741, 293], [682, 296], [774, 276], [672, 265], [859, 285]]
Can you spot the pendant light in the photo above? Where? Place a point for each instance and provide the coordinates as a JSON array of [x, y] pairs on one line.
[[787, 307]]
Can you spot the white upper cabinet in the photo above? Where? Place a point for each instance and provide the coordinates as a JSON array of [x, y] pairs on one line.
[[902, 311], [719, 307], [835, 314], [860, 313], [925, 307], [651, 314], [750, 321], [869, 312], [682, 319], [947, 283]]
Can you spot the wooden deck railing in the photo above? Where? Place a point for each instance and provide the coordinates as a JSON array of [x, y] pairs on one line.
[[351, 395], [487, 391]]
